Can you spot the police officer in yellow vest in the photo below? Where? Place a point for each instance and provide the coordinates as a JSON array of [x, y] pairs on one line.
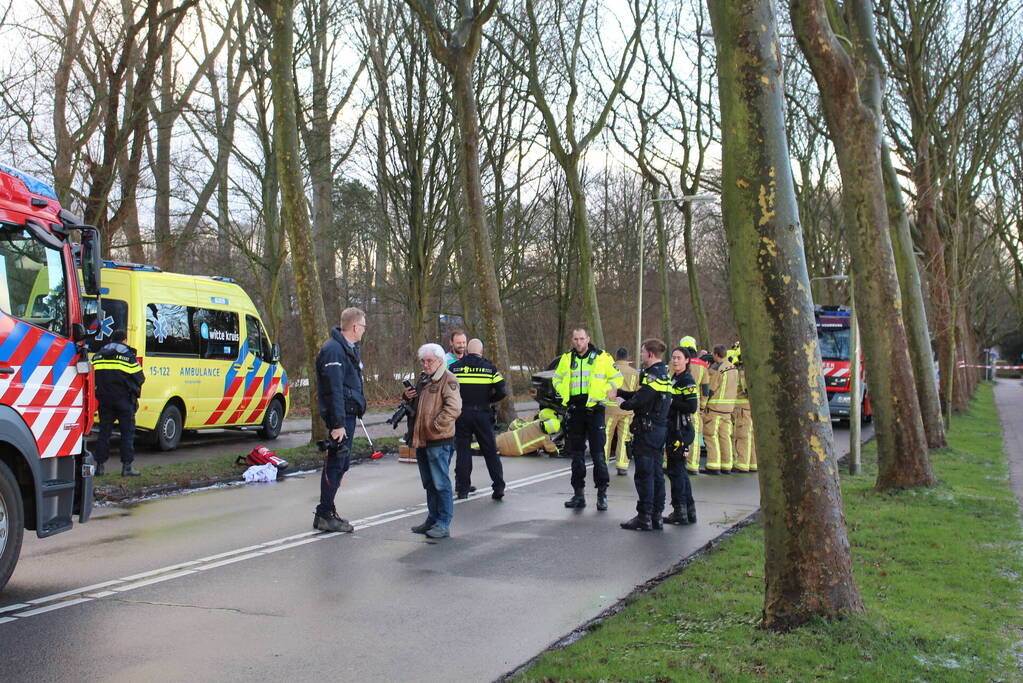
[[742, 419], [717, 418], [585, 380], [698, 369], [618, 420]]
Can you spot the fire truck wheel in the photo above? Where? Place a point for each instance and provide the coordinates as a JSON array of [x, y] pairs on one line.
[[272, 421], [168, 428], [12, 523]]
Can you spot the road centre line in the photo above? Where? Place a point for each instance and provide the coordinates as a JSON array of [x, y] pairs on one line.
[[181, 569]]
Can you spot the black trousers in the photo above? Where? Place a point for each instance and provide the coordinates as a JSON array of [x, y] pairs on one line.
[[120, 409], [681, 486], [648, 449], [478, 423], [586, 425]]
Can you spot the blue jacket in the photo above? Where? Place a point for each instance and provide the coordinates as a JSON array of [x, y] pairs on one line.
[[339, 380]]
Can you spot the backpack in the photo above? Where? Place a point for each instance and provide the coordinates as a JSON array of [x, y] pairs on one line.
[[261, 455]]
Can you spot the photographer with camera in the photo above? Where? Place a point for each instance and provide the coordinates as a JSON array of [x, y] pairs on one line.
[[585, 380], [437, 404], [650, 405], [342, 401]]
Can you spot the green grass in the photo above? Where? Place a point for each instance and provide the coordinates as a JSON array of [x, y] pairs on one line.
[[163, 478], [939, 570]]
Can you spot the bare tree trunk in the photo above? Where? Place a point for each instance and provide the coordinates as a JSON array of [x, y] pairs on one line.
[[662, 273], [807, 565], [902, 445], [914, 312], [295, 215], [696, 301]]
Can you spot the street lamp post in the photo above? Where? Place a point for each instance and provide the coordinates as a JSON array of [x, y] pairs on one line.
[[639, 296], [854, 378]]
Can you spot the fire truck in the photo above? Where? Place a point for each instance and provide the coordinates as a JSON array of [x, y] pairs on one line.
[[46, 382], [834, 333]]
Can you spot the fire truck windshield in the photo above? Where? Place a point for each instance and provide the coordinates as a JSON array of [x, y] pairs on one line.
[[32, 283], [834, 343]]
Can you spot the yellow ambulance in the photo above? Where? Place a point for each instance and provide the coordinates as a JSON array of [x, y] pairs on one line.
[[208, 360]]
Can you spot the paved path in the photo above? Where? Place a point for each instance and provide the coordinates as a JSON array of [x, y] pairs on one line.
[[1009, 398]]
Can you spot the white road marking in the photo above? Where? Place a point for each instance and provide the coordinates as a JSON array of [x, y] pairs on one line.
[[181, 569]]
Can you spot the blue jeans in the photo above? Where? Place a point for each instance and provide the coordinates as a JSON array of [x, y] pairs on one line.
[[434, 463], [335, 463]]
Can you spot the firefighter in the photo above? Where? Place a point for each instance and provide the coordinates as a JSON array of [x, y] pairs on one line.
[[481, 385], [681, 434], [119, 379], [717, 417], [650, 403], [744, 446], [618, 420], [585, 380], [698, 369]]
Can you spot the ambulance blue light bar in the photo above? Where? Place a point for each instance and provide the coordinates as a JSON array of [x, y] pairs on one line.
[[124, 265]]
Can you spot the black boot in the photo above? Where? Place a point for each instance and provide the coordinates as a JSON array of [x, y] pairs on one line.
[[691, 513], [640, 522], [678, 516], [100, 469], [656, 522], [576, 501], [602, 499], [128, 471]]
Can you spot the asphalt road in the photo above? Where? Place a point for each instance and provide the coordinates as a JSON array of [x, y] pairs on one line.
[[232, 584]]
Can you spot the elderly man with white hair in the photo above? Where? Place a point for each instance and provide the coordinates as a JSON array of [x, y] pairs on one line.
[[438, 405]]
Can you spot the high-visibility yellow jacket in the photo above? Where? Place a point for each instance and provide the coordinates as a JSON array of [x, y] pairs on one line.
[[741, 390], [630, 382], [723, 381], [593, 375]]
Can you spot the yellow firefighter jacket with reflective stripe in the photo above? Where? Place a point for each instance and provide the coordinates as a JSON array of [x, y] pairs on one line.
[[741, 391], [593, 375], [723, 381]]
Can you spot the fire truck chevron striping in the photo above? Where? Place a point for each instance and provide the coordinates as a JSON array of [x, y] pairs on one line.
[[46, 381]]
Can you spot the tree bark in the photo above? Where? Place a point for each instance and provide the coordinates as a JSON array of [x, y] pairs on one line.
[[914, 313], [902, 445], [294, 212], [807, 566]]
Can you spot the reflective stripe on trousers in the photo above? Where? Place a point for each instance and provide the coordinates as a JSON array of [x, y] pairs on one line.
[[717, 432]]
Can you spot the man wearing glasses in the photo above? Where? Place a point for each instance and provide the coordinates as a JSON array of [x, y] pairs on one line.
[[438, 405], [341, 399]]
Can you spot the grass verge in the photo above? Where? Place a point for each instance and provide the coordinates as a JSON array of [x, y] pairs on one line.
[[939, 570], [112, 487]]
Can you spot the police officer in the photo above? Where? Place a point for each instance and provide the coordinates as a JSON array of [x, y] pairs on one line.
[[119, 379], [744, 446], [618, 420], [684, 403], [717, 417], [481, 385], [698, 369], [585, 379], [341, 400], [650, 405]]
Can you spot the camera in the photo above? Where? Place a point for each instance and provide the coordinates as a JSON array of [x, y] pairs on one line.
[[405, 410]]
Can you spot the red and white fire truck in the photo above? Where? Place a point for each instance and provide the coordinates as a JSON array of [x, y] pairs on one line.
[[834, 332], [46, 381]]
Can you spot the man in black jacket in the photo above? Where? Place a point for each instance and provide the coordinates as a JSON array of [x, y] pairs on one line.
[[341, 400], [119, 379], [480, 385], [650, 405]]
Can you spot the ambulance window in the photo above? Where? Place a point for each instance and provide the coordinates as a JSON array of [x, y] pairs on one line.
[[216, 333], [114, 317], [32, 284], [258, 343], [167, 330]]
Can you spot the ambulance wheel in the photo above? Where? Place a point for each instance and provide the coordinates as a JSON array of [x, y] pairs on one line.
[[167, 434], [12, 523], [272, 421]]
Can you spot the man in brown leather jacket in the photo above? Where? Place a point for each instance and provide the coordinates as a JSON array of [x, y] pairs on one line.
[[438, 404]]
